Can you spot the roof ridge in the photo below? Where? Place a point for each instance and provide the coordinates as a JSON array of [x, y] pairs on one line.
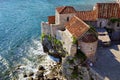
[[82, 21]]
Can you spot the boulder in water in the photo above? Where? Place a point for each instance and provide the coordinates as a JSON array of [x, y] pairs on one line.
[[40, 67], [30, 73]]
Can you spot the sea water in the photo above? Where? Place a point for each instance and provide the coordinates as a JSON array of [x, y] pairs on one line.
[[20, 29]]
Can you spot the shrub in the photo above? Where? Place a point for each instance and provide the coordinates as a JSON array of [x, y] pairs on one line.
[[113, 20], [81, 55], [43, 36], [74, 40]]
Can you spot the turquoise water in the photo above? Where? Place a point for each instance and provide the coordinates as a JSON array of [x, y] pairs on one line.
[[20, 28]]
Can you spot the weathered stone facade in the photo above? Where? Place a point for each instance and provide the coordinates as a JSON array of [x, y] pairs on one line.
[[102, 23], [66, 38], [63, 18], [45, 29], [89, 49]]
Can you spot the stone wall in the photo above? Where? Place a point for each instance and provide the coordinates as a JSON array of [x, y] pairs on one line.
[[48, 29], [102, 23], [57, 17], [66, 38], [45, 28], [115, 35], [62, 18], [55, 28], [89, 49]]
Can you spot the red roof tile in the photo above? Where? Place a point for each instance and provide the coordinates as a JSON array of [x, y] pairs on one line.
[[65, 9], [108, 10], [87, 15], [77, 27], [89, 38], [51, 19]]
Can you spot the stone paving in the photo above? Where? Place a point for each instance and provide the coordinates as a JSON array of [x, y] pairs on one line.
[[107, 63]]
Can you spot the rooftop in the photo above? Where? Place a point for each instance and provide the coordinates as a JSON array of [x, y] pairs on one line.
[[108, 10], [51, 19], [89, 38], [65, 9], [77, 27], [102, 10], [87, 15]]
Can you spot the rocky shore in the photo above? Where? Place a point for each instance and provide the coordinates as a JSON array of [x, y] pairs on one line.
[[56, 64]]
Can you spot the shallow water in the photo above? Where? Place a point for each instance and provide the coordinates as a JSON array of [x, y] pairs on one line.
[[20, 29]]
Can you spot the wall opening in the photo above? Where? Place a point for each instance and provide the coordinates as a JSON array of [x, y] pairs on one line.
[[100, 24], [67, 18], [118, 25]]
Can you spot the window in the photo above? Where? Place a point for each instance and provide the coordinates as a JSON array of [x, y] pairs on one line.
[[100, 24], [118, 25], [67, 18]]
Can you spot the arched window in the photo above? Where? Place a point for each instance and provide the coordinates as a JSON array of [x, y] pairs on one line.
[[67, 18]]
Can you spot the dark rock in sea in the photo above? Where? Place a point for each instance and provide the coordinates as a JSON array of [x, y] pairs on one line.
[[47, 43], [53, 49], [30, 73], [24, 75], [40, 67]]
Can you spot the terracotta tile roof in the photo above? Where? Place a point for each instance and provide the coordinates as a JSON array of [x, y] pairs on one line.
[[89, 38], [77, 27], [65, 9], [51, 19], [87, 15], [108, 10]]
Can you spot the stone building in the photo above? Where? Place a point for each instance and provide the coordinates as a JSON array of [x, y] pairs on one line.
[[69, 23]]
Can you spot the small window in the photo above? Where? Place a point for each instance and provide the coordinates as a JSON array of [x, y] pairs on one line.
[[118, 25], [91, 48], [100, 24], [67, 18]]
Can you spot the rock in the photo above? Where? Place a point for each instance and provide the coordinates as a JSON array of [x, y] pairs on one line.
[[50, 76], [39, 74], [51, 51], [30, 78], [30, 73], [40, 67], [39, 79], [24, 75]]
